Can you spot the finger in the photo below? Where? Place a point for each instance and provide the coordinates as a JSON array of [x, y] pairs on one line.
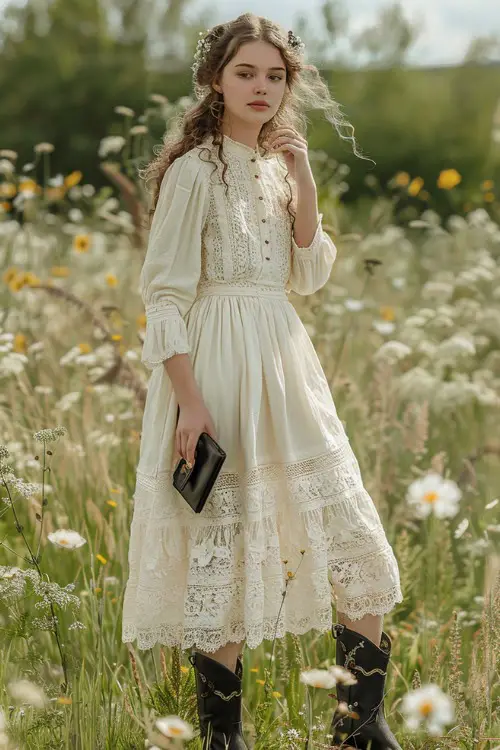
[[288, 133], [190, 448]]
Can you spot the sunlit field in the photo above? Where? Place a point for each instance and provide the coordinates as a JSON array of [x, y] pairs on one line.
[[408, 333]]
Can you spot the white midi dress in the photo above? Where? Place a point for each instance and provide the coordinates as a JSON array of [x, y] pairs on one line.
[[215, 283]]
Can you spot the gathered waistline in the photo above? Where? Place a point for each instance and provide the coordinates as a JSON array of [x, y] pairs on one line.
[[244, 291]]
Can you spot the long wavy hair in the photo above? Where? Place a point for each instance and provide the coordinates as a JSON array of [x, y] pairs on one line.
[[305, 89]]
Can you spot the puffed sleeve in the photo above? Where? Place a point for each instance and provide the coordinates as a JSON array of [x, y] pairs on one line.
[[172, 266], [311, 266]]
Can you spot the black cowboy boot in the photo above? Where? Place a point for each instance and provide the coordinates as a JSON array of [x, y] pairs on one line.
[[219, 694], [368, 664]]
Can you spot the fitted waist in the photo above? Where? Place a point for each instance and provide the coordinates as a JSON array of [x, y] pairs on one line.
[[253, 290]]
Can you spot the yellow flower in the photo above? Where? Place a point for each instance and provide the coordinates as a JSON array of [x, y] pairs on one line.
[[387, 313], [85, 348], [81, 243], [402, 179], [66, 700], [20, 343], [254, 669], [10, 274], [276, 694], [114, 600], [111, 280], [32, 279], [60, 271], [117, 490], [98, 590], [487, 185], [28, 185], [260, 682], [101, 559], [489, 197], [116, 337], [141, 321], [290, 574], [184, 669], [113, 503], [17, 284], [73, 179], [448, 179], [7, 190], [5, 206], [415, 186]]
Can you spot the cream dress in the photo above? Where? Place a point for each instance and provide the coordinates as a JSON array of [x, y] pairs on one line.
[[215, 284]]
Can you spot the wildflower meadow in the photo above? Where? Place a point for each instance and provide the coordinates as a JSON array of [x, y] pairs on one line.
[[408, 333]]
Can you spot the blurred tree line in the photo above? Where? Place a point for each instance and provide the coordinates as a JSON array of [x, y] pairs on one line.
[[64, 66]]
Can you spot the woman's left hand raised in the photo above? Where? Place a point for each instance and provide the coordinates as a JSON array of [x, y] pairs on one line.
[[294, 148]]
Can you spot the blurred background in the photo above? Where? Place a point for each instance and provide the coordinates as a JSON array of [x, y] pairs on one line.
[[420, 81]]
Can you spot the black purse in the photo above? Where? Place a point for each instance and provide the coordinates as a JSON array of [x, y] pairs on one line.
[[195, 484]]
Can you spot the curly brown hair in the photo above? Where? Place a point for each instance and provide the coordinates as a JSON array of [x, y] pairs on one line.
[[305, 89]]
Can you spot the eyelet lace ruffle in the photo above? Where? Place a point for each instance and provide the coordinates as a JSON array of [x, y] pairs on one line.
[[166, 335]]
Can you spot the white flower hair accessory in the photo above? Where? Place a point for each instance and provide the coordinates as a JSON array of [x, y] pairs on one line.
[[203, 48]]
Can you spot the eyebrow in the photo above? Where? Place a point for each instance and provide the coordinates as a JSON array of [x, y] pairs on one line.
[[247, 65]]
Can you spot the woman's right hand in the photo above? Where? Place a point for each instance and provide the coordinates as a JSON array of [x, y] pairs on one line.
[[194, 418]]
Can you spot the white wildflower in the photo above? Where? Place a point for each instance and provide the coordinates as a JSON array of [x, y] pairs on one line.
[[13, 363], [25, 691], [111, 144], [44, 148], [124, 111], [354, 305], [384, 327], [66, 538], [433, 494], [75, 214], [318, 678], [175, 728], [139, 130], [392, 351], [67, 401], [427, 707], [342, 676], [6, 167], [461, 528], [492, 504]]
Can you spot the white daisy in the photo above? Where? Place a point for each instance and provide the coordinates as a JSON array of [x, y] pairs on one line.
[[433, 494], [427, 707], [319, 678], [354, 305], [342, 676], [111, 144], [384, 327], [66, 538], [174, 727]]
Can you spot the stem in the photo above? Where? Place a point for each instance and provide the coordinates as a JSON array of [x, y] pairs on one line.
[[346, 333], [43, 503]]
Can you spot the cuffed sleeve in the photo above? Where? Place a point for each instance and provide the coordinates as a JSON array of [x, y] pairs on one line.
[[172, 267], [312, 265]]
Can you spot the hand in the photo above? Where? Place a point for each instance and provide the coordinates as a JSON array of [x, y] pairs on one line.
[[295, 151], [194, 418]]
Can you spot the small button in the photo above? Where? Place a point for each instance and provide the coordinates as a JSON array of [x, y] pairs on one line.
[[267, 242], [254, 159], [257, 176], [261, 198], [263, 221], [267, 258]]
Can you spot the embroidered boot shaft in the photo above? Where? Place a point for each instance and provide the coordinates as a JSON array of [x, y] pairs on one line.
[[368, 664], [219, 696]]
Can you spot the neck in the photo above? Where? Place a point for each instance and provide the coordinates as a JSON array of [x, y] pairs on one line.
[[242, 132]]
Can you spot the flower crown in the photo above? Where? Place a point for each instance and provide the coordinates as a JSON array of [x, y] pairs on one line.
[[203, 47]]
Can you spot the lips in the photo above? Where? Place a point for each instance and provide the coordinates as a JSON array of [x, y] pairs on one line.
[[258, 104]]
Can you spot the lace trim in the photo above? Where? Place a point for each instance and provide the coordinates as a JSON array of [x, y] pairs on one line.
[[166, 335], [218, 576], [211, 640]]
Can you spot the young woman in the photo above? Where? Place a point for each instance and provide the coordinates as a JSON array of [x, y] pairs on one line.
[[236, 227]]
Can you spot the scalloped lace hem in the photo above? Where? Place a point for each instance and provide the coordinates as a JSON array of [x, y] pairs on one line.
[[211, 640]]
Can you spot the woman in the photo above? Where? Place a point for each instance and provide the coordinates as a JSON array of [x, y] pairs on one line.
[[235, 228]]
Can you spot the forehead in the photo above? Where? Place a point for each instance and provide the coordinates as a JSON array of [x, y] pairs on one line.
[[259, 54]]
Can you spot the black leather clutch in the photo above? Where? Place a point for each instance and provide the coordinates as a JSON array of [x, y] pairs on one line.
[[194, 484]]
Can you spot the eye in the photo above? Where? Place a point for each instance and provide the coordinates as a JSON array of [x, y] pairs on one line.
[[276, 77]]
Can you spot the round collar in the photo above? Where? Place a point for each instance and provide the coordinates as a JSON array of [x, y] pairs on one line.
[[241, 150]]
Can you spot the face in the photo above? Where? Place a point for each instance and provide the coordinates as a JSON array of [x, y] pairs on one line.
[[256, 72]]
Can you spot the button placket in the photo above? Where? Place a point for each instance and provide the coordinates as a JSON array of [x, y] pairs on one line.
[[261, 198]]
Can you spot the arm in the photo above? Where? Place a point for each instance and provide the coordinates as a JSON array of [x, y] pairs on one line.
[[172, 267]]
